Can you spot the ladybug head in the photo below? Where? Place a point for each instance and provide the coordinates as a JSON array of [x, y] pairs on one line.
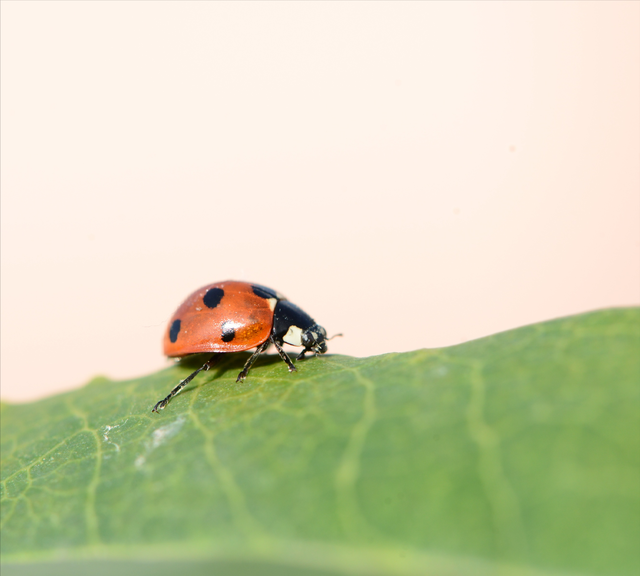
[[314, 339]]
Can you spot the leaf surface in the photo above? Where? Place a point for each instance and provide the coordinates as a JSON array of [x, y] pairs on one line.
[[518, 453]]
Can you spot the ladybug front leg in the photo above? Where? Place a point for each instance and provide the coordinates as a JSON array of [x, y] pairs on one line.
[[301, 355], [208, 364], [259, 350], [283, 355]]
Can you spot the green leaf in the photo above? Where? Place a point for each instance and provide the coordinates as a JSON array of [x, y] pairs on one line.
[[513, 454]]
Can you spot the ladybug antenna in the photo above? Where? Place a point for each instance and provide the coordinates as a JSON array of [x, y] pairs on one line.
[[334, 336]]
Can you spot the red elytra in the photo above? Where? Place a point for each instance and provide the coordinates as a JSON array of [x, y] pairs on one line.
[[202, 320]]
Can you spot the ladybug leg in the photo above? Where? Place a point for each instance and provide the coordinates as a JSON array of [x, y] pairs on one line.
[[301, 355], [283, 355], [208, 364], [259, 350]]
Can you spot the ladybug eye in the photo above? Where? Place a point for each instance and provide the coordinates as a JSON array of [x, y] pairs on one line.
[[307, 339]]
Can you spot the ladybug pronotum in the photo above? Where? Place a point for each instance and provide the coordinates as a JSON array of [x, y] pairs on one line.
[[233, 316]]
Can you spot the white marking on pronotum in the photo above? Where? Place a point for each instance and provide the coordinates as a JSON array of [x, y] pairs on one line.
[[272, 303], [293, 336], [158, 437]]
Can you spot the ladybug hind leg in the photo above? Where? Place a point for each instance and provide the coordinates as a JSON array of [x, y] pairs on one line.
[[208, 364]]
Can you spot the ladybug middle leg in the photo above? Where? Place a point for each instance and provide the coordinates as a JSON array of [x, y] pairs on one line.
[[206, 366], [283, 355], [259, 350]]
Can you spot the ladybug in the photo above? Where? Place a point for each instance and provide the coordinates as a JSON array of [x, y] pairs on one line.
[[232, 316]]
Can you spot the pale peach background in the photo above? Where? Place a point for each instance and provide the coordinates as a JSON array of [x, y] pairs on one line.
[[412, 174]]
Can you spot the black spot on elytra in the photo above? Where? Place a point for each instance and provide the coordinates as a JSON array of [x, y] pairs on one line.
[[228, 332], [174, 330], [213, 296], [263, 292]]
